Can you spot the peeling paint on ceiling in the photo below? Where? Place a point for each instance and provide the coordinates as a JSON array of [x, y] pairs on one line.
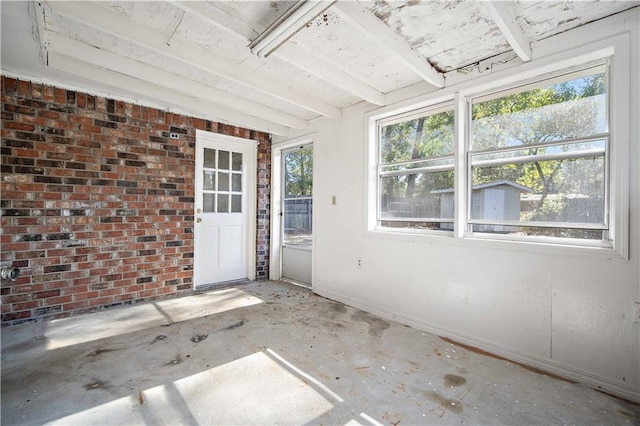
[[207, 42]]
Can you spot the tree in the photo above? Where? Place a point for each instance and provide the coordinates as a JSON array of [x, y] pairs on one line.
[[557, 112], [423, 138], [298, 166]]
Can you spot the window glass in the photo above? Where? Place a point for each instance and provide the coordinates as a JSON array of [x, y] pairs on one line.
[[208, 203], [298, 179], [209, 182], [236, 162], [572, 108], [236, 182], [575, 194], [535, 165], [424, 137], [416, 176], [223, 160], [223, 203], [236, 203], [297, 203], [222, 174], [210, 158], [417, 195], [223, 181], [538, 159]]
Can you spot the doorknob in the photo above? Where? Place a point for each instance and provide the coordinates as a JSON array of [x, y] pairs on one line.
[[199, 220]]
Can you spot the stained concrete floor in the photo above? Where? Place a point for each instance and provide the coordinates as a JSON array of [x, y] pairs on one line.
[[271, 353]]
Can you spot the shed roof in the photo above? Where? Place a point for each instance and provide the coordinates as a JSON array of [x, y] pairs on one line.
[[489, 185]]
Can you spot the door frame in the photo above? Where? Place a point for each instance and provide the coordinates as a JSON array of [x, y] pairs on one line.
[[251, 196], [275, 265]]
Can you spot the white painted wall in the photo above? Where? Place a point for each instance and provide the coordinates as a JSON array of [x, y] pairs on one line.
[[564, 312]]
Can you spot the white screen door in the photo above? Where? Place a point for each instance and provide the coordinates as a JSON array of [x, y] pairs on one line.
[[224, 228], [297, 214]]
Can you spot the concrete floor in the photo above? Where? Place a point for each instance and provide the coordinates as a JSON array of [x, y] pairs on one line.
[[271, 353]]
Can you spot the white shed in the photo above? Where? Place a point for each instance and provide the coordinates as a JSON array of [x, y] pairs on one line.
[[497, 200]]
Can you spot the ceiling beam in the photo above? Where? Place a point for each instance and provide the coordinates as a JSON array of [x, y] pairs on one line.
[[39, 33], [361, 17], [115, 62], [181, 103], [505, 20], [188, 53], [218, 14], [288, 51], [321, 68]]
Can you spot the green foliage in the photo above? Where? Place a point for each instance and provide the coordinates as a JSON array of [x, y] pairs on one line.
[[298, 169], [420, 138], [525, 119], [553, 113], [550, 210], [423, 138]]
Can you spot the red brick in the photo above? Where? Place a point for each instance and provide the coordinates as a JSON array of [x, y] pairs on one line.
[[15, 315], [57, 300], [9, 85], [19, 126], [24, 87], [46, 294], [84, 296], [75, 305], [60, 96], [100, 244]]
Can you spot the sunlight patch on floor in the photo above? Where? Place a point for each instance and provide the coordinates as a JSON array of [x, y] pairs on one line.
[[256, 389], [109, 323]]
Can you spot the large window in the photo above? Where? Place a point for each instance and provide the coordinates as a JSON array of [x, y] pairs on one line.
[[528, 161], [538, 158], [415, 163]]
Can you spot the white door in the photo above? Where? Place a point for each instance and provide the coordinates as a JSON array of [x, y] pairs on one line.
[[224, 229]]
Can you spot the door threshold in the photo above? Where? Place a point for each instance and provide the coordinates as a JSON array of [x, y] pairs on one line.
[[216, 286], [298, 283]]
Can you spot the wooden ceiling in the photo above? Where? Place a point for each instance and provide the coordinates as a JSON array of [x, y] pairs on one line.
[[193, 56]]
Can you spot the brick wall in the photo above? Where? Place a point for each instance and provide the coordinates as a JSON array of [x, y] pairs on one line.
[[264, 208], [97, 201]]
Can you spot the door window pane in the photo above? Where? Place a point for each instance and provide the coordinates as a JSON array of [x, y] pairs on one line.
[[208, 203], [209, 158], [223, 203], [236, 203], [298, 197], [237, 161], [222, 174], [236, 182], [223, 160], [298, 173], [223, 181], [209, 181]]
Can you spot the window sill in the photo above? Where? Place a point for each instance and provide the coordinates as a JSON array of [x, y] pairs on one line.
[[595, 250]]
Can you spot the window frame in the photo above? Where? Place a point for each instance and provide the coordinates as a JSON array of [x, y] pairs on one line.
[[542, 81], [380, 165], [615, 50]]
